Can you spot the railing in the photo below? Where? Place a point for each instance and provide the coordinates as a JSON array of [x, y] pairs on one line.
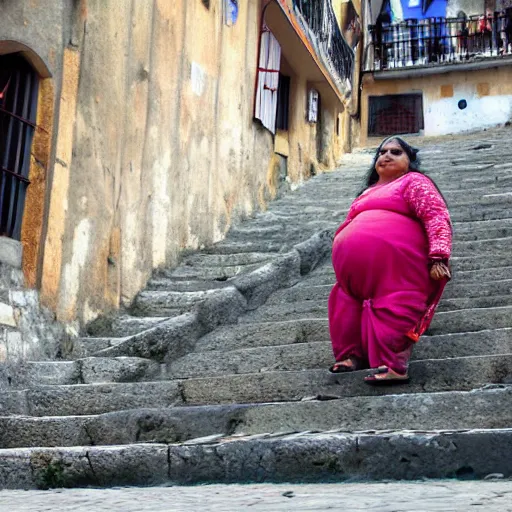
[[322, 29], [18, 103], [438, 41]]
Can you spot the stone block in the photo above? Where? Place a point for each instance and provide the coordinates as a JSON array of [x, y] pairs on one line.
[[7, 315], [169, 339], [118, 369], [220, 307], [100, 398], [257, 286], [314, 250], [11, 252], [129, 465]]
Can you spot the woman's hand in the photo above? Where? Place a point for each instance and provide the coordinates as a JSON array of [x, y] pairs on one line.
[[440, 270]]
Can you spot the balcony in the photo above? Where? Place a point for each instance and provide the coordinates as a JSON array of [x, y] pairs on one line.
[[436, 42], [318, 22]]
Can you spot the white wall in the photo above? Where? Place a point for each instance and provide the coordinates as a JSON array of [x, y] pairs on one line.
[[444, 116]]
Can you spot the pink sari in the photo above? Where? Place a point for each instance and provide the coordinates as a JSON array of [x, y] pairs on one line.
[[384, 298]]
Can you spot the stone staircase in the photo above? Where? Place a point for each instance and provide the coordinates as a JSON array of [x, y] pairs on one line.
[[218, 373]]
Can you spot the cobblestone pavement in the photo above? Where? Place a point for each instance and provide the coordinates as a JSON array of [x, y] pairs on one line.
[[432, 496]]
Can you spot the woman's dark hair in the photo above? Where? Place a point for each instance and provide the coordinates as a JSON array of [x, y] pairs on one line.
[[372, 176]]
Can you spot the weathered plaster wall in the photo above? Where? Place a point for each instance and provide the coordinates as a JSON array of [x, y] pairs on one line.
[[488, 93], [164, 152], [159, 152]]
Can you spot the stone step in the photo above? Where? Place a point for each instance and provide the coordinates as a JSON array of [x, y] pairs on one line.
[[127, 325], [453, 304], [427, 411], [264, 334], [496, 245], [475, 319], [455, 289], [455, 374], [328, 196], [490, 274], [479, 213], [81, 371], [308, 330], [87, 399], [483, 310], [324, 457], [168, 303], [167, 284], [230, 247], [213, 273], [434, 375], [488, 260], [312, 355], [292, 235], [86, 347], [234, 259]]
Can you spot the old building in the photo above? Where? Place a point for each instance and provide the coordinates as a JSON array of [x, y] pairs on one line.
[[133, 130], [434, 67]]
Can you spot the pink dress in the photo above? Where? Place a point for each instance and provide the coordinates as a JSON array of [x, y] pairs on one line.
[[384, 297]]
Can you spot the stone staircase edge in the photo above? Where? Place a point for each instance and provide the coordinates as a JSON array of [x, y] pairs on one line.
[[247, 292], [324, 457]]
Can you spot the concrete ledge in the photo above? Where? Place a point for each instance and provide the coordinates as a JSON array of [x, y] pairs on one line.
[[11, 252], [322, 457]]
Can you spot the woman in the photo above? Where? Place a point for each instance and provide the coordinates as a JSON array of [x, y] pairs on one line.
[[390, 257]]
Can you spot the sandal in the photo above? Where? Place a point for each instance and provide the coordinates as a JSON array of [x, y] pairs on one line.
[[353, 365], [385, 376]]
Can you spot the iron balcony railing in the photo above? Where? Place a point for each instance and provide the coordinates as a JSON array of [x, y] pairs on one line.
[[438, 41], [321, 27]]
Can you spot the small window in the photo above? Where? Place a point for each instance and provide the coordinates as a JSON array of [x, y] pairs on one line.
[[395, 113], [206, 3], [18, 105], [283, 102]]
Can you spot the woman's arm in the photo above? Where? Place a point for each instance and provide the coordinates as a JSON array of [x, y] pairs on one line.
[[428, 206]]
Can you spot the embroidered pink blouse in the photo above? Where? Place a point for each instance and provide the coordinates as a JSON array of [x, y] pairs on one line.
[[420, 199]]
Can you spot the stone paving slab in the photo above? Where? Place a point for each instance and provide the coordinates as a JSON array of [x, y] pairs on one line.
[[424, 496]]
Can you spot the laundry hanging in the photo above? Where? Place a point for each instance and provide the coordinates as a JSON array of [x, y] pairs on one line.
[[268, 80]]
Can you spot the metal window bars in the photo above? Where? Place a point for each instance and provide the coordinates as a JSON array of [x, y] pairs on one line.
[[321, 27], [18, 105], [439, 40]]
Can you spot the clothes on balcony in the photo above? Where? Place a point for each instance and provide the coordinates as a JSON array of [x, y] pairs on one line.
[[384, 297]]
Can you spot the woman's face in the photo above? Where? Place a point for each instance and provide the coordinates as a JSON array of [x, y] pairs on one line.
[[392, 161]]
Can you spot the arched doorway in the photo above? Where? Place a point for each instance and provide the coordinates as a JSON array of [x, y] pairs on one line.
[[19, 85]]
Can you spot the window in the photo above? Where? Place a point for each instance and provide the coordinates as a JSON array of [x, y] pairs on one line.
[[395, 113], [283, 102], [18, 105], [265, 108]]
